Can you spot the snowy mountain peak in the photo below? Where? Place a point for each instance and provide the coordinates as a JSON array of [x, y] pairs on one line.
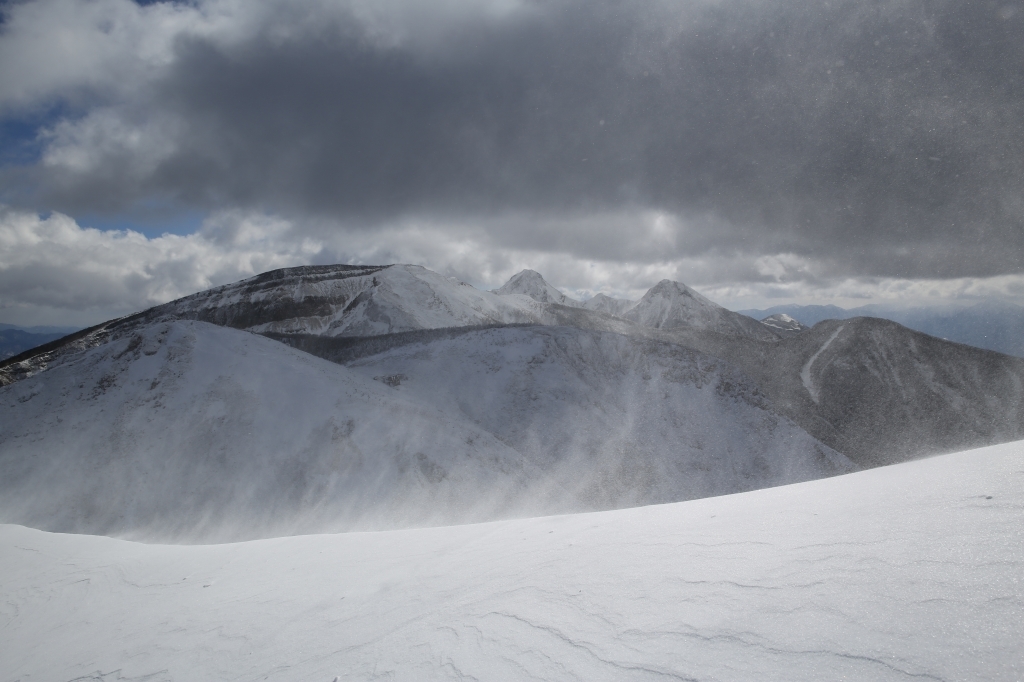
[[668, 288], [531, 283], [606, 304], [672, 305], [349, 301], [784, 322]]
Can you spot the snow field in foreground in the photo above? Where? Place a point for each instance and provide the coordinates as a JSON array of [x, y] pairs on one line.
[[909, 571]]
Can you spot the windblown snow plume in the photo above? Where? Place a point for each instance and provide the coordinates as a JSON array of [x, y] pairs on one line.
[[189, 431], [904, 572]]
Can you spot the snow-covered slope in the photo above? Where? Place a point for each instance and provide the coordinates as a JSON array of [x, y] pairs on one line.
[[342, 300], [606, 304], [616, 420], [899, 573], [889, 389], [671, 305], [188, 430], [531, 284], [881, 393]]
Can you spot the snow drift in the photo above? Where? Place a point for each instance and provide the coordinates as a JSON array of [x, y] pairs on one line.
[[903, 572]]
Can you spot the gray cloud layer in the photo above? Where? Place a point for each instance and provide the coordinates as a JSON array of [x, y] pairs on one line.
[[886, 138]]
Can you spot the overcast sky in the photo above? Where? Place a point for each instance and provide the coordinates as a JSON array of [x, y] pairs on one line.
[[761, 151]]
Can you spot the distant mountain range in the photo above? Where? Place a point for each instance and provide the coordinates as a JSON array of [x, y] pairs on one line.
[[342, 397], [992, 325], [15, 339]]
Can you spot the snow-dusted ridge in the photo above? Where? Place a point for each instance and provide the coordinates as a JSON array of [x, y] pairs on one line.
[[569, 394], [360, 301], [353, 301], [904, 572], [783, 322], [186, 431]]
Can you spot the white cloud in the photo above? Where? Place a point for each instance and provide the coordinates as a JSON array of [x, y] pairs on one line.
[[53, 270], [59, 47]]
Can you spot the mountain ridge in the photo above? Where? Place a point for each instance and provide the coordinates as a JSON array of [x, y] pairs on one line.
[[186, 431], [992, 326], [532, 284], [532, 376]]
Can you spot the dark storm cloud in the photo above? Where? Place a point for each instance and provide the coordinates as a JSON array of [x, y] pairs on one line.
[[886, 135]]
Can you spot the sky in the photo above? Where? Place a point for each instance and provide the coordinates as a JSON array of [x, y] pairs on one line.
[[761, 151]]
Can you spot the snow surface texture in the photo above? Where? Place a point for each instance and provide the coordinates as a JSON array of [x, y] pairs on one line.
[[187, 431], [910, 572]]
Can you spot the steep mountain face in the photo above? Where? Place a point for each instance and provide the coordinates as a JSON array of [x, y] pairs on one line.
[[890, 390], [606, 304], [671, 305], [878, 392], [783, 322], [530, 283], [350, 301], [184, 430], [997, 326]]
